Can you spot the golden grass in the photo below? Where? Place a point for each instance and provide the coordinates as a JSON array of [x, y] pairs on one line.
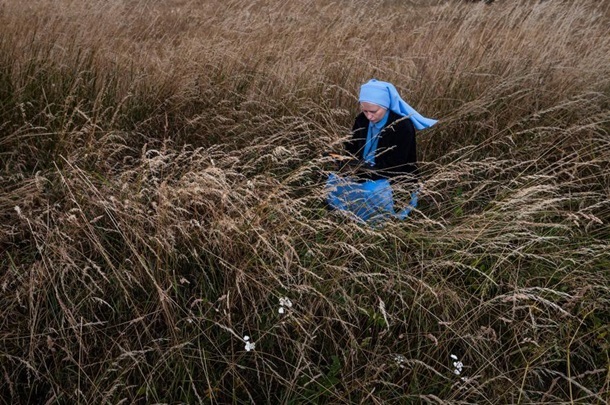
[[162, 191]]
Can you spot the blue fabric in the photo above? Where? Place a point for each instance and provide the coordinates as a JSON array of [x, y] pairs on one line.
[[371, 200], [372, 139], [385, 95]]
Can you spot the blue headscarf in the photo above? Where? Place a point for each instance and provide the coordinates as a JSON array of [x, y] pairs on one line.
[[385, 95]]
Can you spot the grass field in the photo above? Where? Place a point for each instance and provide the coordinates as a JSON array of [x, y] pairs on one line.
[[164, 237]]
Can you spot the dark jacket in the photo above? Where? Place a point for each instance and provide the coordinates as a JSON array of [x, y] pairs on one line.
[[396, 152]]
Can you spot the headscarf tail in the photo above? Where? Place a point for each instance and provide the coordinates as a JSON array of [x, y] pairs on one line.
[[385, 95]]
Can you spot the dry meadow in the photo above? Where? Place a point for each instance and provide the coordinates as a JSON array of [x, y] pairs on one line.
[[164, 237]]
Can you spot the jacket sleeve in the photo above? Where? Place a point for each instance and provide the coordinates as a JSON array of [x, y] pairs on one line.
[[355, 144], [399, 156]]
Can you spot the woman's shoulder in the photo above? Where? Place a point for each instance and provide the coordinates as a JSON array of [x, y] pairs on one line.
[[399, 122], [360, 122]]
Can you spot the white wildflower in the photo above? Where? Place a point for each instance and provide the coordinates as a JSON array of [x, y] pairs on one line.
[[249, 345], [284, 303], [400, 360], [457, 365]]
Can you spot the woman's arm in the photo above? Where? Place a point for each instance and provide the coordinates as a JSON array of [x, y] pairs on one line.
[[355, 144], [397, 154]]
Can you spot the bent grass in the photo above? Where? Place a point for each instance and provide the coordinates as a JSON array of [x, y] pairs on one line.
[[162, 196]]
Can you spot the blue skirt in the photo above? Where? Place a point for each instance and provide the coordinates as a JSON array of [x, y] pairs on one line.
[[367, 200]]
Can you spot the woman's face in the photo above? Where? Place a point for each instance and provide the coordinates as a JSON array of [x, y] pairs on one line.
[[372, 112]]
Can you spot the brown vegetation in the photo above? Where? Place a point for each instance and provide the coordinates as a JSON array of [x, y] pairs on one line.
[[162, 190]]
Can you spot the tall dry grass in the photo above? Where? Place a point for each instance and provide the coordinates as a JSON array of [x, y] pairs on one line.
[[162, 194]]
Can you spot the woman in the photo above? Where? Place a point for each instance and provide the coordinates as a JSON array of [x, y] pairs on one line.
[[383, 143], [383, 135]]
